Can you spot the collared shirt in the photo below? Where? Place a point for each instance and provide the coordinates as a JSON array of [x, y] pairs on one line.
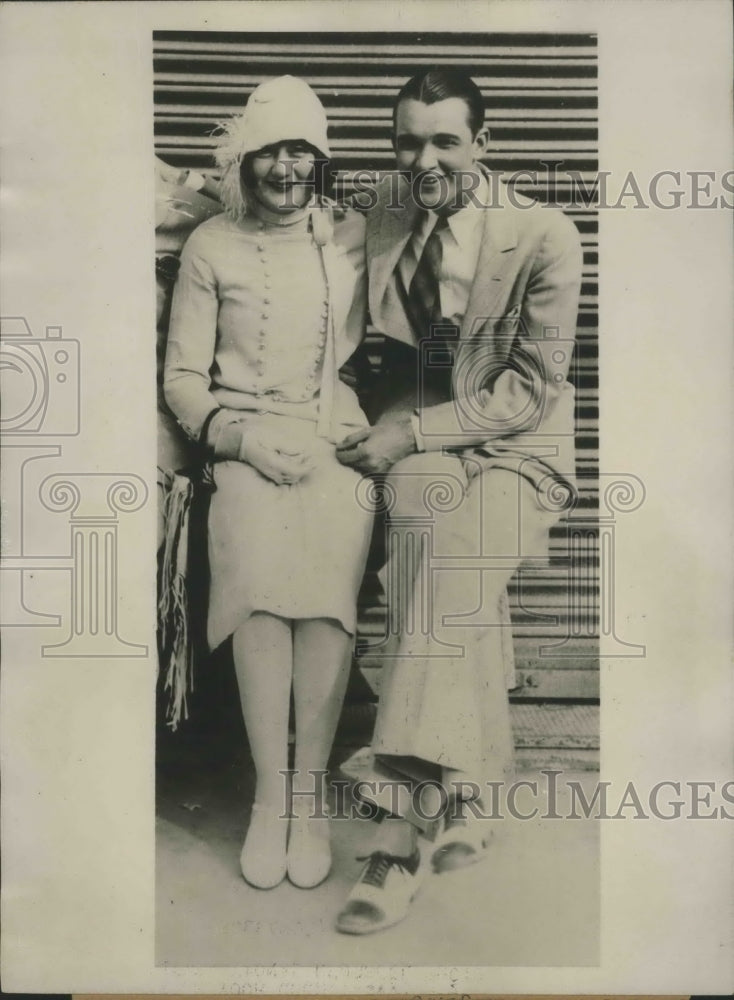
[[460, 243]]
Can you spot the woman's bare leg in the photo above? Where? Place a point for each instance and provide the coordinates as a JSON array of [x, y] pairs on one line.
[[263, 659], [321, 660]]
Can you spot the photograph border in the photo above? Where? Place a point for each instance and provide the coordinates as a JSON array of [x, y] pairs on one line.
[[89, 755]]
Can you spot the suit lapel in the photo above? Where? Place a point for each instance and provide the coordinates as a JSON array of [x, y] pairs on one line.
[[387, 240], [499, 239], [385, 244]]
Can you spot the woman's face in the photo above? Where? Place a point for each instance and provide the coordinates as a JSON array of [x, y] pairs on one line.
[[283, 175]]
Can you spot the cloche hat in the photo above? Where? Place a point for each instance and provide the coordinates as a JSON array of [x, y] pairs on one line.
[[282, 108]]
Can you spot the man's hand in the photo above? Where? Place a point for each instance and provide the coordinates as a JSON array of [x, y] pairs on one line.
[[377, 449]]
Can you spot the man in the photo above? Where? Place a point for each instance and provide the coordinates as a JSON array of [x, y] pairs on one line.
[[476, 289]]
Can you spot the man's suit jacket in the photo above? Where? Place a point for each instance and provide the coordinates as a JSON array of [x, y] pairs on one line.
[[511, 405]]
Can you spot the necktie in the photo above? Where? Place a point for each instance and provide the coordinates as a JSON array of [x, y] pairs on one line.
[[437, 337], [423, 301]]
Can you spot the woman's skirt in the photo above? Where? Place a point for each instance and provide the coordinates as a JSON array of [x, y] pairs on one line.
[[296, 551]]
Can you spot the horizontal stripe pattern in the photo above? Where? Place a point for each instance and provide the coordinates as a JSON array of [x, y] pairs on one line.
[[540, 93]]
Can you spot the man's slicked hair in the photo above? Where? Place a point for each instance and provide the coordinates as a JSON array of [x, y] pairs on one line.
[[440, 83]]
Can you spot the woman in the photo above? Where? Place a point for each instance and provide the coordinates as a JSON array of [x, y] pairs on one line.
[[269, 303]]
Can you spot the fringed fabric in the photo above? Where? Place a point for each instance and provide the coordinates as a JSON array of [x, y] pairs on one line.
[[177, 652]]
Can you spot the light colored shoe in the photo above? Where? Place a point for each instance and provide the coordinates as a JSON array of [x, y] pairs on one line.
[[382, 896], [463, 840], [309, 851], [263, 857]]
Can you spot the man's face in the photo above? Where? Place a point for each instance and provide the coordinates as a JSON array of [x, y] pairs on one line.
[[433, 142]]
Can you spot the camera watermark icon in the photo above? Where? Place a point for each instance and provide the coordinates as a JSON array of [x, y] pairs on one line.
[[39, 378], [40, 381], [503, 381]]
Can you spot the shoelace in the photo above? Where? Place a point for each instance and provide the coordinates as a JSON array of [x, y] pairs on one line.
[[379, 864]]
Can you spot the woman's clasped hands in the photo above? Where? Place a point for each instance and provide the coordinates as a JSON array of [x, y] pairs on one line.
[[267, 448], [273, 454]]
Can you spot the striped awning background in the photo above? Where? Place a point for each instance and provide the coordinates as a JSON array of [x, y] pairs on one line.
[[541, 103]]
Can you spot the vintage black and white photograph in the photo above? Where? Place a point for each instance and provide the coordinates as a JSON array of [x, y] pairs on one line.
[[376, 260], [366, 508]]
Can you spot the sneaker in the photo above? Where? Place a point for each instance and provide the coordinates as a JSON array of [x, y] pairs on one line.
[[383, 893]]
